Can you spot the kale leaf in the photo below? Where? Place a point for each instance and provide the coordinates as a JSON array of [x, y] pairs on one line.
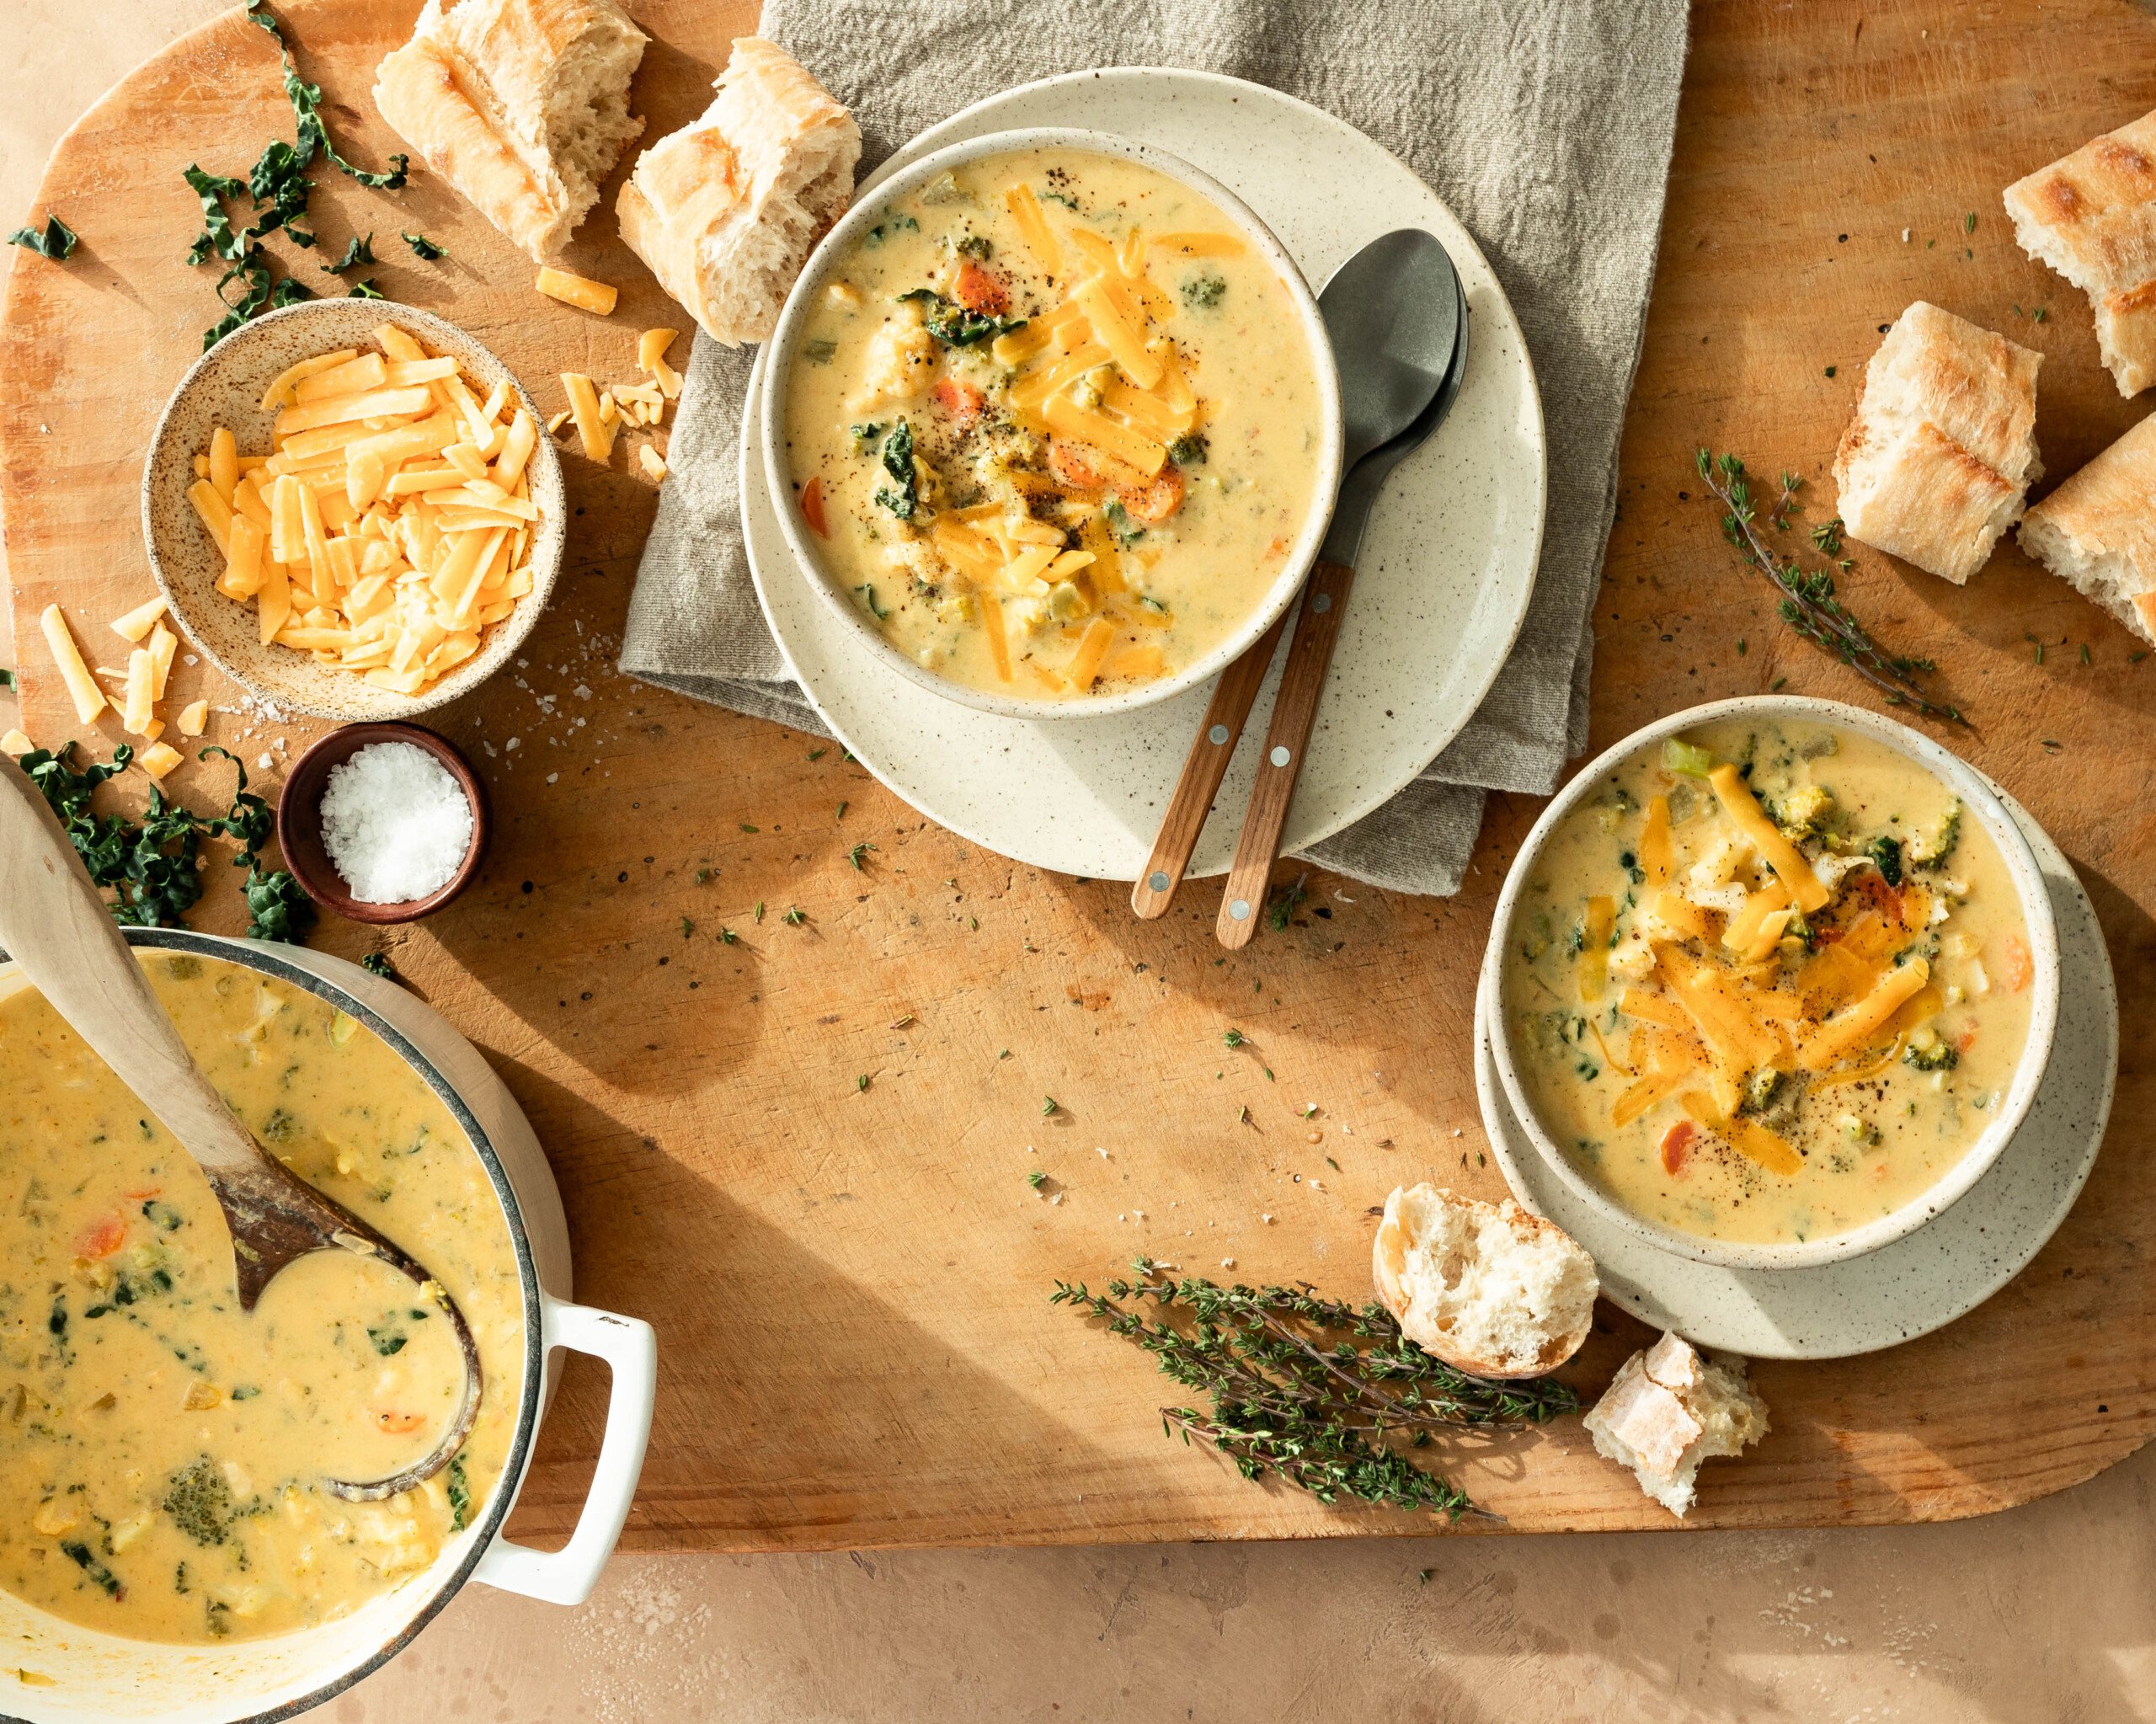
[[359, 254], [425, 248], [954, 325], [55, 240], [897, 461]]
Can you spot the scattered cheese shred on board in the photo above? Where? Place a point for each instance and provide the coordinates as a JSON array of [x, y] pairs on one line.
[[579, 290]]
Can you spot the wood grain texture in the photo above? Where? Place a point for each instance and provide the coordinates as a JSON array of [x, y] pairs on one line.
[[1203, 769], [849, 1284], [1280, 762]]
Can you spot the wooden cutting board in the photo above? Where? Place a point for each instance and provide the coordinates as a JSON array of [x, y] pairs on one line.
[[850, 1282]]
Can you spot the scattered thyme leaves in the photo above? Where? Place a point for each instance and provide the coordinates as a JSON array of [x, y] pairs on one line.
[[1285, 903], [856, 855], [1312, 1391], [1808, 602]]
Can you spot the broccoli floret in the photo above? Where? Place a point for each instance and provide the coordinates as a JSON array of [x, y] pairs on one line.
[[1885, 854], [200, 1502], [1927, 1052], [1932, 849], [1803, 812], [1760, 1092]]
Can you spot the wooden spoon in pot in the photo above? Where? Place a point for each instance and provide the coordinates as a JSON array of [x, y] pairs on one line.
[[55, 925]]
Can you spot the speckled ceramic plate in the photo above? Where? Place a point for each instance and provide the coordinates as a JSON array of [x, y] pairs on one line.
[[1946, 1268], [1447, 566]]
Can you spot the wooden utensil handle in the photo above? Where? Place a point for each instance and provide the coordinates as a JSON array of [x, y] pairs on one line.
[[1203, 769], [1295, 710], [56, 927]]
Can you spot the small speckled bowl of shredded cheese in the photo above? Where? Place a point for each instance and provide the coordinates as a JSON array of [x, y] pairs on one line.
[[382, 823]]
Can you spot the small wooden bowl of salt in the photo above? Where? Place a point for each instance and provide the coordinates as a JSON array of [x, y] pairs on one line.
[[382, 823]]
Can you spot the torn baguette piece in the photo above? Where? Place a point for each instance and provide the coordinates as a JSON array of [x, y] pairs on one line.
[[2097, 532], [1667, 1410], [1937, 462], [727, 209], [522, 105], [1486, 1286], [2091, 216]]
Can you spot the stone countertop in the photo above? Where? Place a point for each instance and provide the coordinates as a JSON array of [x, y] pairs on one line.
[[2044, 1612]]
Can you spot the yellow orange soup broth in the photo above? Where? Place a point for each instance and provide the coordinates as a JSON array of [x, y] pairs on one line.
[[1159, 490], [164, 1454], [1870, 1131]]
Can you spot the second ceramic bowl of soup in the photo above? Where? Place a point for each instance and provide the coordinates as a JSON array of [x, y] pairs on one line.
[[1776, 981], [1053, 421]]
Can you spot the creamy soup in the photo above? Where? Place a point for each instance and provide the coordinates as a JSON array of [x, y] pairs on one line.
[[1054, 423], [164, 1454], [1767, 983]]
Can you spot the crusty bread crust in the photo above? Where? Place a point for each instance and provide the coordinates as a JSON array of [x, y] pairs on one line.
[[522, 105], [1936, 463], [725, 211], [2126, 336], [2092, 215], [2097, 532], [1667, 1409]]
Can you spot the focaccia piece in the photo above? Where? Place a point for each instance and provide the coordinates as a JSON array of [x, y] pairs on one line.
[[2097, 532], [2126, 336], [1667, 1409], [1487, 1287], [522, 105], [727, 209], [1936, 463], [2092, 215]]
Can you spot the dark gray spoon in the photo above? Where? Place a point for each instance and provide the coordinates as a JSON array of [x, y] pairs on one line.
[[56, 928], [1397, 321]]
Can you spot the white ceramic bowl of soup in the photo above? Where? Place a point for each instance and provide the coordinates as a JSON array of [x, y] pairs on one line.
[[2009, 887], [1235, 589], [59, 1672]]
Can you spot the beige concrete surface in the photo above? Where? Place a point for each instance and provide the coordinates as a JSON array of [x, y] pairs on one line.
[[2045, 1614]]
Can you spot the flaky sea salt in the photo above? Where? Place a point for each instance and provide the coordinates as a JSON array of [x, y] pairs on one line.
[[396, 825]]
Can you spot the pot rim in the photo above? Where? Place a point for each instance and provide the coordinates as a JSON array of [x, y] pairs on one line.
[[265, 959]]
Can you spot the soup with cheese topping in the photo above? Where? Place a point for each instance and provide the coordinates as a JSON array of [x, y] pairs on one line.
[[1053, 424], [1766, 984], [164, 1454]]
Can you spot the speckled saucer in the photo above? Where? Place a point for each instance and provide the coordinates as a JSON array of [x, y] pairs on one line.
[[1446, 571], [224, 387], [1947, 1268]]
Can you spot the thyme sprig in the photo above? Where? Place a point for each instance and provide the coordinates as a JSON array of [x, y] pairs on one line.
[[1311, 1390], [1808, 603]]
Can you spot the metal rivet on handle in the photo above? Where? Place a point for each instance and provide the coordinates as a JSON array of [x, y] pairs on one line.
[[1322, 602], [1239, 908], [1279, 757], [1158, 883], [1217, 735]]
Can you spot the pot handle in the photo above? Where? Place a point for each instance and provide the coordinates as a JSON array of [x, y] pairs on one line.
[[567, 1575]]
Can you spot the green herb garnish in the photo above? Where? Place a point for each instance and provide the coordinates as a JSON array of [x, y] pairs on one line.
[[1313, 1391], [903, 497], [1126, 530], [1188, 450], [954, 325], [424, 248], [55, 240], [377, 964], [1808, 602], [867, 591], [460, 1495], [1201, 293], [365, 289], [359, 254]]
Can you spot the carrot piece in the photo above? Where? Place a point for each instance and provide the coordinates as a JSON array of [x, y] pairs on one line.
[[400, 1423], [1157, 501], [980, 291], [811, 507], [101, 1239], [2017, 969], [1677, 1146], [961, 400]]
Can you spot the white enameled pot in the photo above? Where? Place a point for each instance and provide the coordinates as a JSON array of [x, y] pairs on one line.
[[779, 359], [52, 1671], [1980, 803]]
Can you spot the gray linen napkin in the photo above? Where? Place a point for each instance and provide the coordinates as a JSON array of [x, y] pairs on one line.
[[1545, 124]]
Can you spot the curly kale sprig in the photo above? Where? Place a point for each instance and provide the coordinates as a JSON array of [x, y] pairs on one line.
[[1808, 603], [1309, 1389]]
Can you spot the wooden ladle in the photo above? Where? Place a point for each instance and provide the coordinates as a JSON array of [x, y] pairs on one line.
[[55, 925]]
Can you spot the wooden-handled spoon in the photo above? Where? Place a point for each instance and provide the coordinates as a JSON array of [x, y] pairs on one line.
[[1380, 399], [55, 926], [1398, 307]]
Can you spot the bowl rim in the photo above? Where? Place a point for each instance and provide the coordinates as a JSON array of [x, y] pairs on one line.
[[1302, 553], [292, 810], [433, 1587], [548, 549], [1979, 796]]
